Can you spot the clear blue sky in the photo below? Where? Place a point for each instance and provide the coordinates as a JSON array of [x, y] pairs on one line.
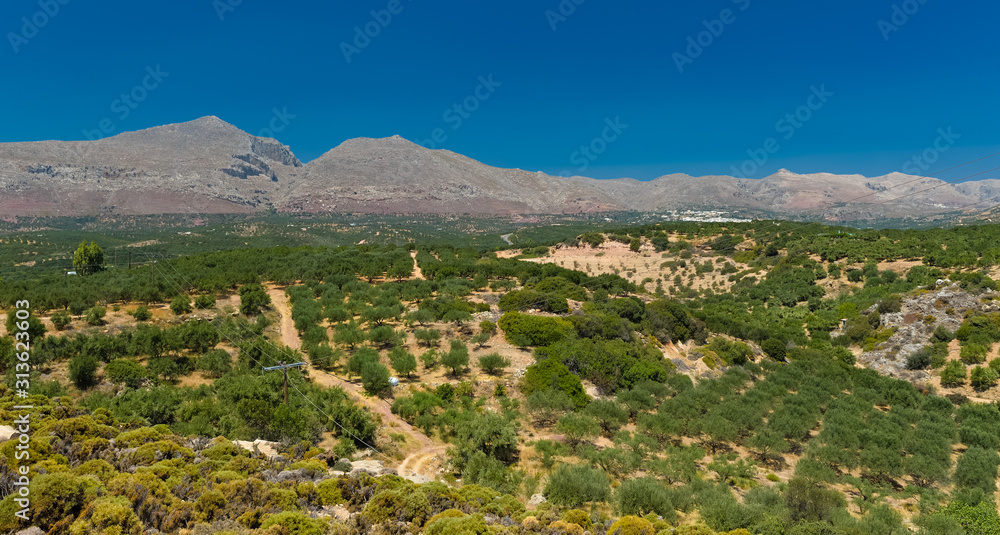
[[557, 87]]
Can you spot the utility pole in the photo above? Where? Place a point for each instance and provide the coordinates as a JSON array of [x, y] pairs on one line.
[[284, 368]]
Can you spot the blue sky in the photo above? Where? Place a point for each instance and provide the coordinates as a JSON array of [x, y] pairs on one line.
[[559, 71]]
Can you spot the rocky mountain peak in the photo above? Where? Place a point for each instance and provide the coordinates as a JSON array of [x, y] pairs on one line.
[[209, 165]]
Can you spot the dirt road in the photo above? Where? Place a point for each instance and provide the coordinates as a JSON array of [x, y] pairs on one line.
[[417, 274], [290, 337], [423, 461]]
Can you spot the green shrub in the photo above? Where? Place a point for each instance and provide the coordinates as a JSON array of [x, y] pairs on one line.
[[576, 485], [577, 428], [977, 519], [774, 348], [404, 504], [939, 354], [493, 363], [632, 525], [550, 373], [942, 334], [973, 353], [403, 362], [464, 525], [953, 374], [547, 406], [95, 316], [358, 360], [643, 496], [142, 314], [180, 305], [295, 523], [982, 378], [205, 301], [891, 303], [457, 357], [55, 496], [328, 490], [977, 469], [427, 337], [108, 514], [253, 297], [694, 529], [533, 330], [732, 353], [578, 517], [125, 371], [429, 358], [374, 378], [215, 363], [83, 371], [919, 360], [61, 319], [593, 239]]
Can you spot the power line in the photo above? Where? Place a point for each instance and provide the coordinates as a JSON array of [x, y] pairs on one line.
[[921, 178], [268, 345]]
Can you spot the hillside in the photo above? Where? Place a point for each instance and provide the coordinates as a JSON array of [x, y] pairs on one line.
[[668, 378], [209, 166]]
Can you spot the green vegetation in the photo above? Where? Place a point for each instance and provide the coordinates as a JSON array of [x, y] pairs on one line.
[[731, 393]]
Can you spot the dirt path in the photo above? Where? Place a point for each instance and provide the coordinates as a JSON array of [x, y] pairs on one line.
[[417, 274], [419, 462], [378, 406], [290, 337]]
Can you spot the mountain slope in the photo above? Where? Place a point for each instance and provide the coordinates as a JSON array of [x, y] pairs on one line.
[[205, 165], [210, 166], [395, 175]]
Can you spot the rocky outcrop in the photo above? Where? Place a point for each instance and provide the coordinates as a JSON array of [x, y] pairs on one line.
[[914, 324], [263, 447]]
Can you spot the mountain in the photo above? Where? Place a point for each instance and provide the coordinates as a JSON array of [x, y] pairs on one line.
[[210, 166], [396, 175], [203, 166]]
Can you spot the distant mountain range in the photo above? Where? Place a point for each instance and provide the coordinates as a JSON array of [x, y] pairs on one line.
[[210, 166]]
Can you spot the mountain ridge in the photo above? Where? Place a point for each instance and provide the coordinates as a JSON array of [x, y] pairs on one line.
[[210, 166]]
